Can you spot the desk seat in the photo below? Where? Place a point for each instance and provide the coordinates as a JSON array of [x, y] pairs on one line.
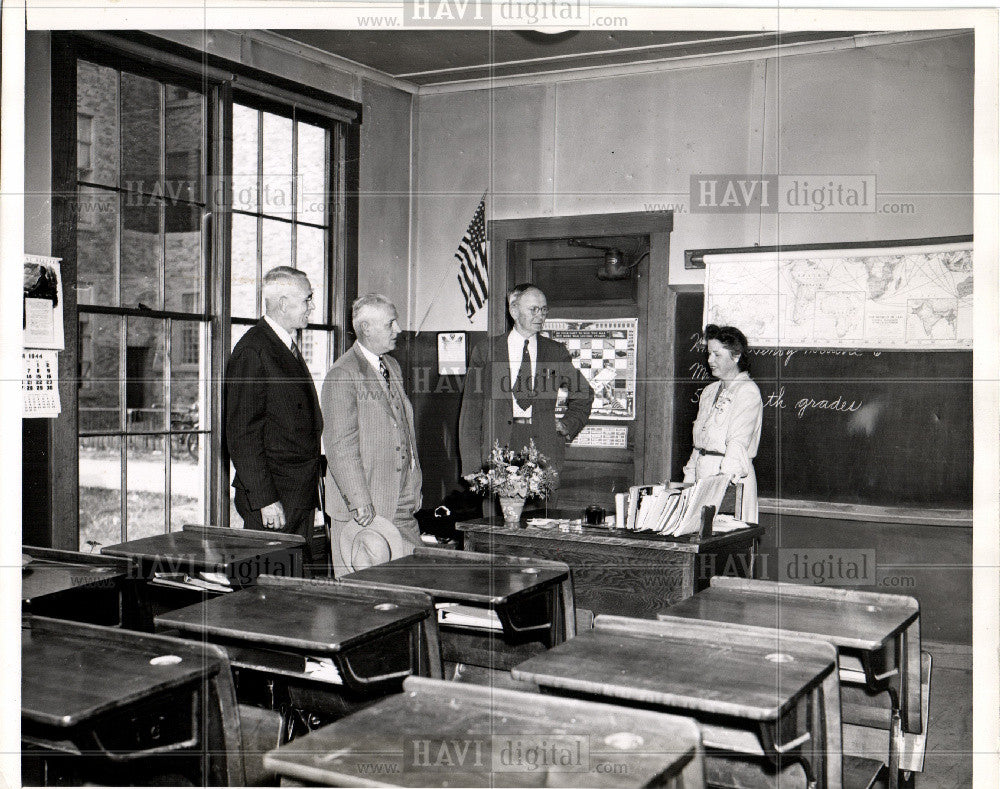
[[532, 600], [448, 734], [877, 637], [784, 692], [84, 587], [112, 706]]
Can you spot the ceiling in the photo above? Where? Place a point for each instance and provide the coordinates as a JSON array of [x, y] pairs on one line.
[[428, 57]]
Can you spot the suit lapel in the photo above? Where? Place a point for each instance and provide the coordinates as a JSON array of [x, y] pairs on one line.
[[296, 367], [372, 380]]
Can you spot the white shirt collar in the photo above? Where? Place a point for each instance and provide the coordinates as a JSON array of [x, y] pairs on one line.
[[283, 335], [372, 358], [515, 342]]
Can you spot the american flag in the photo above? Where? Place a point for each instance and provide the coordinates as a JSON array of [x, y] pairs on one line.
[[472, 271]]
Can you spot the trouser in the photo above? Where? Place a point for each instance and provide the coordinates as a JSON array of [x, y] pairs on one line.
[[298, 520], [402, 518]]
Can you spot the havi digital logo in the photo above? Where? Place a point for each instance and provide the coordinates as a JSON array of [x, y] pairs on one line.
[[446, 13]]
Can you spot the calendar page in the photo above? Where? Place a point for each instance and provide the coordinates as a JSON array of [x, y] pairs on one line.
[[40, 384]]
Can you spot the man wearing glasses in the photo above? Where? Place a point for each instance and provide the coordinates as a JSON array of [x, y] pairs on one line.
[[511, 389], [272, 416]]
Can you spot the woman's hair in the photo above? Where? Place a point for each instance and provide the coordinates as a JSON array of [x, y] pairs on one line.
[[733, 340]]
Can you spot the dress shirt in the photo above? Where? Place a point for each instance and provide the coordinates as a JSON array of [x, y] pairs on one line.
[[372, 358], [515, 350], [283, 335]]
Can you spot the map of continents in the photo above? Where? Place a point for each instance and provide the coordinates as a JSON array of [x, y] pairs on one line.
[[908, 298]]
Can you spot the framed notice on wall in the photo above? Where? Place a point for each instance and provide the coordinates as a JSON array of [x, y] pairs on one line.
[[604, 352], [43, 312]]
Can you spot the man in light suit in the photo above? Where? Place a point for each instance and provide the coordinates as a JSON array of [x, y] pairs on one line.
[[369, 437], [511, 389], [272, 418]]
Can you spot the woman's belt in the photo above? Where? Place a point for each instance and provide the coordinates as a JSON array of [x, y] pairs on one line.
[[701, 451]]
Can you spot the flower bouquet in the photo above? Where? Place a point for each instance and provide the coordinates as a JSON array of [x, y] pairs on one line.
[[514, 477]]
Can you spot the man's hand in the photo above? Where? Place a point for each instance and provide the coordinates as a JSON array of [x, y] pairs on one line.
[[273, 516], [364, 515], [561, 429]]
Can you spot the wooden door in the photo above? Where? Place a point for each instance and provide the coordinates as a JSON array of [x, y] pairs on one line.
[[536, 250]]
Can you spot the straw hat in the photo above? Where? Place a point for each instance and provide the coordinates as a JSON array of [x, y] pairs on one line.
[[376, 543]]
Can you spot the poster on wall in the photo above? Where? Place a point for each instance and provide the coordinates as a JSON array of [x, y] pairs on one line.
[[604, 351], [887, 298], [451, 353], [43, 312], [40, 384]]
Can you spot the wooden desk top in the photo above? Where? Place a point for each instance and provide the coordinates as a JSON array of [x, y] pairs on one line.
[[709, 671], [842, 620], [316, 621], [72, 672], [485, 720], [617, 537], [51, 572], [462, 576], [205, 547]]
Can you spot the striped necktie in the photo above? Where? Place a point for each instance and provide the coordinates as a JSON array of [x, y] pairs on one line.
[[384, 370]]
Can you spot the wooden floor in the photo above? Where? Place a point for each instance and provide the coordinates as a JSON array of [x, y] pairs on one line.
[[948, 763]]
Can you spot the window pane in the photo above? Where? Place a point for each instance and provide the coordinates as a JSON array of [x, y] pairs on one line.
[[187, 481], [100, 351], [185, 271], [97, 247], [245, 139], [145, 471], [243, 281], [316, 347], [141, 126], [100, 492], [97, 100], [312, 173], [276, 197], [142, 253], [144, 374], [185, 132], [276, 244], [310, 261]]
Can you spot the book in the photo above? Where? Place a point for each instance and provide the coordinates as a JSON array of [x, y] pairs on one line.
[[467, 616]]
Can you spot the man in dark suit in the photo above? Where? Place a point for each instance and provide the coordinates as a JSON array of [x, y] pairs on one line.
[[369, 438], [272, 416], [511, 389]]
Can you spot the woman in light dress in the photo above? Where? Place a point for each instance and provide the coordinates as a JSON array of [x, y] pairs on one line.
[[727, 428]]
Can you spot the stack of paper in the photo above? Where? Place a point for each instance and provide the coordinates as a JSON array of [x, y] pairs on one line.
[[323, 668], [468, 616], [673, 512]]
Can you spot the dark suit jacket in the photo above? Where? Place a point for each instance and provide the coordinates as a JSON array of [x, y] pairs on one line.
[[487, 413], [273, 422]]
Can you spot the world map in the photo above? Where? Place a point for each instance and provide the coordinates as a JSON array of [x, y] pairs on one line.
[[900, 298]]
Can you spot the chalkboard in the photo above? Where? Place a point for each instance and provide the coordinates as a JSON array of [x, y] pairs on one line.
[[886, 428]]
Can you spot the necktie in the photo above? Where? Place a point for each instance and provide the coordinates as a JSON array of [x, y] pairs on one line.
[[384, 370], [524, 388], [296, 352]]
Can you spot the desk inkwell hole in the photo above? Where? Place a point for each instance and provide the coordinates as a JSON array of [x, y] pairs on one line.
[[386, 607], [779, 657], [165, 660], [623, 740], [529, 570]]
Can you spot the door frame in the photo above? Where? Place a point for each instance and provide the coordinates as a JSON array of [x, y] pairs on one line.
[[655, 386]]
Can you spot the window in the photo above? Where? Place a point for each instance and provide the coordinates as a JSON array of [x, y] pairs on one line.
[[149, 344], [84, 145]]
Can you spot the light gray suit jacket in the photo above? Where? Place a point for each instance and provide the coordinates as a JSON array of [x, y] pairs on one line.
[[361, 437]]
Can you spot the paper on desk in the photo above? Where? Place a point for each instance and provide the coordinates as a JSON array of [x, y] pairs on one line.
[[726, 523], [468, 616], [323, 668]]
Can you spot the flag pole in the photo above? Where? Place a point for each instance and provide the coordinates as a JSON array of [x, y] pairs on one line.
[[441, 285]]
